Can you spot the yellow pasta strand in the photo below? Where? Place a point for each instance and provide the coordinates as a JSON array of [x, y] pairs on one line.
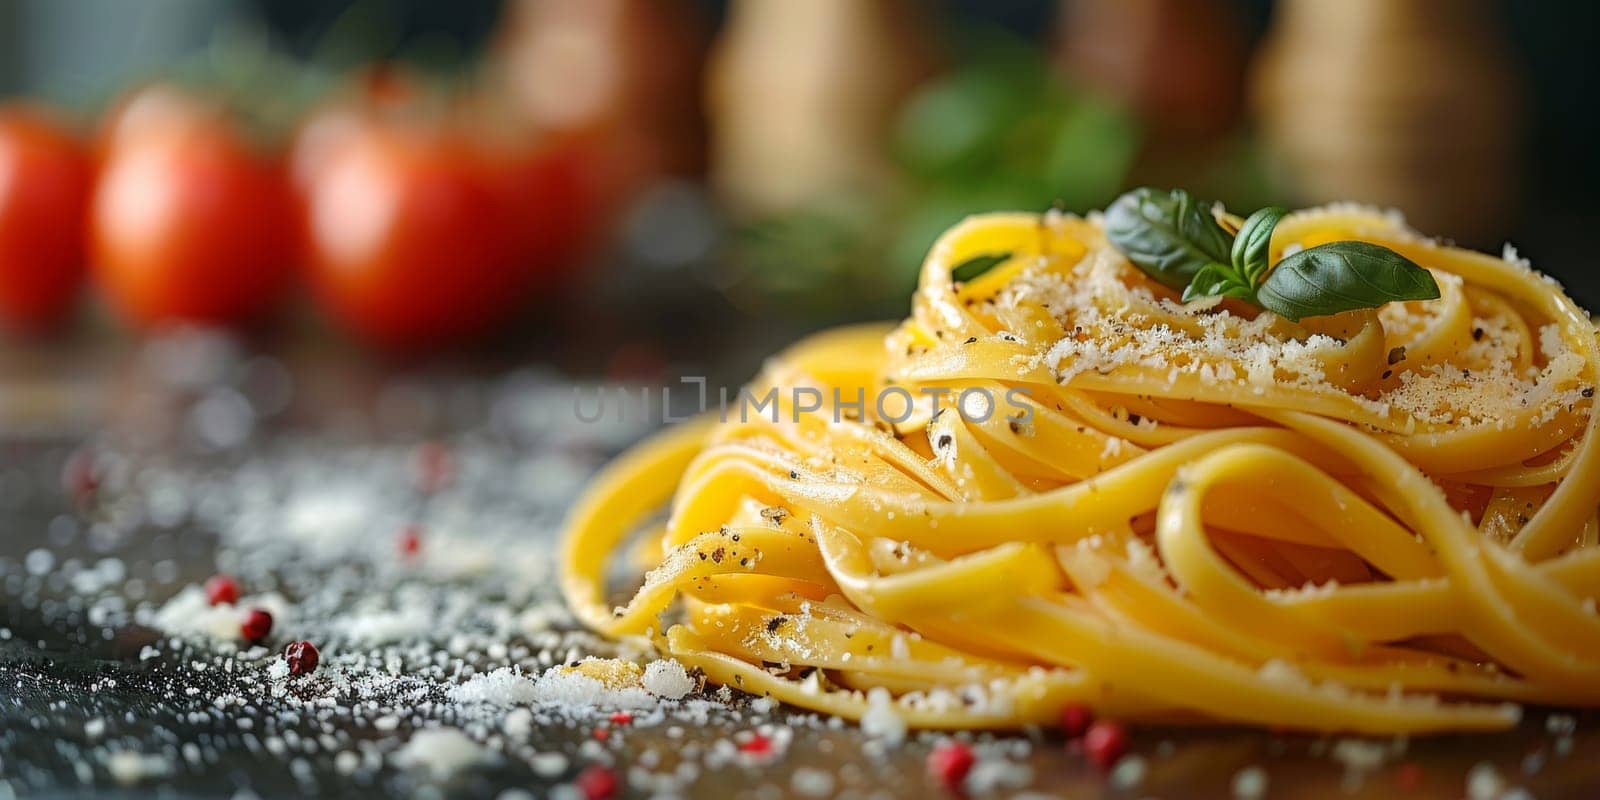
[[1377, 521]]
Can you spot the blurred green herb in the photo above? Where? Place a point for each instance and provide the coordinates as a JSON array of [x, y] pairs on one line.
[[820, 262], [998, 134], [1003, 134]]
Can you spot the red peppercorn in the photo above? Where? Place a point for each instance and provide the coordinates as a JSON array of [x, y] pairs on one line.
[[600, 734], [597, 782], [1075, 719], [1409, 776], [756, 745], [80, 476], [621, 718], [257, 624], [221, 589], [410, 540], [435, 467], [302, 657], [1105, 742], [950, 762]]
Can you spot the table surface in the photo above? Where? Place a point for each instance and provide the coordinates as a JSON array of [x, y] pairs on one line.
[[296, 472]]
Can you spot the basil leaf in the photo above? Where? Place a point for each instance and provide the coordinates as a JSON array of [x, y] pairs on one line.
[[1169, 235], [1342, 276], [977, 265], [1216, 279], [1250, 247]]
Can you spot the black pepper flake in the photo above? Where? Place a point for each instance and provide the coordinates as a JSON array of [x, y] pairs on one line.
[[1397, 355], [718, 554], [1387, 374], [944, 441], [971, 339], [1134, 419], [775, 623], [794, 476], [1477, 334], [1588, 391]]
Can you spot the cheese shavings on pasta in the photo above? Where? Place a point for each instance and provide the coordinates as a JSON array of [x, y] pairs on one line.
[[1380, 521]]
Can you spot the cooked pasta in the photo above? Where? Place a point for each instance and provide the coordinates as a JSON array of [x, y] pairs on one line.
[[1379, 521]]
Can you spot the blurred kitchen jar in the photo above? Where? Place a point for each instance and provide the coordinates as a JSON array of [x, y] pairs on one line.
[[1402, 103], [801, 97], [626, 71], [1179, 64]]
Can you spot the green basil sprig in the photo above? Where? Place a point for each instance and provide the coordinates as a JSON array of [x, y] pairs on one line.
[[1343, 276], [1174, 238], [1171, 235], [1249, 254]]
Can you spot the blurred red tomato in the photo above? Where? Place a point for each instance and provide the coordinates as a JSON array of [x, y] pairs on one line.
[[319, 139], [420, 236], [412, 239], [188, 222], [157, 108], [44, 186], [559, 190], [376, 92]]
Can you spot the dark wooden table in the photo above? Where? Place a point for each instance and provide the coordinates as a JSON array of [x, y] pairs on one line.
[[294, 470]]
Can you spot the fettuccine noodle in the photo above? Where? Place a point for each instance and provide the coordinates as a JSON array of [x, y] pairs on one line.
[[1378, 521]]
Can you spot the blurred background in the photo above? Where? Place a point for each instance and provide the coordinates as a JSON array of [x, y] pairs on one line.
[[606, 182]]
